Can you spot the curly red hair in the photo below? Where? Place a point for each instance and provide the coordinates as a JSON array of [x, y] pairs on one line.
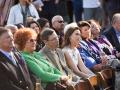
[[22, 36]]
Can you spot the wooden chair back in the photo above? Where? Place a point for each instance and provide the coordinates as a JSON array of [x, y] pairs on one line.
[[94, 84], [107, 79]]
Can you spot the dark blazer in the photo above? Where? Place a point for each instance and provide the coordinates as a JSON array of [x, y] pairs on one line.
[[14, 77], [111, 36]]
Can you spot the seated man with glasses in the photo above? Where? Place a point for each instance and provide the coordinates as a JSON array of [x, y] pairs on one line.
[[53, 54]]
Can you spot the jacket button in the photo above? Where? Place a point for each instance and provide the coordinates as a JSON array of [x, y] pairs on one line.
[[27, 87], [20, 81]]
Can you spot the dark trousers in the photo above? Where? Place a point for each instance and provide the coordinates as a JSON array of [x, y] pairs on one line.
[[78, 9]]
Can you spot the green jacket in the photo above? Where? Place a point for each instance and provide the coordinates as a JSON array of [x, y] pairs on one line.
[[41, 67]]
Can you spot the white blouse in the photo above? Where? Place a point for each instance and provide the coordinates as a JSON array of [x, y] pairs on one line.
[[73, 54]]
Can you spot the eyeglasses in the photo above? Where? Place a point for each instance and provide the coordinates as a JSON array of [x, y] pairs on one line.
[[55, 38], [32, 40], [61, 21]]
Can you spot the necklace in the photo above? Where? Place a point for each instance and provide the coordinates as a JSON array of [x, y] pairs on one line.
[[74, 55]]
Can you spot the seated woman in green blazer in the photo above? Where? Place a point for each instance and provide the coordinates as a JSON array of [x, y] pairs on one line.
[[25, 40]]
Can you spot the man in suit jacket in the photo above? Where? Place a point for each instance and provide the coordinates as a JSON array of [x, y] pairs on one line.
[[13, 70], [113, 34], [53, 54]]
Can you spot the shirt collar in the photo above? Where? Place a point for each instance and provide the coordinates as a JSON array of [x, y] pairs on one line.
[[5, 52], [117, 32]]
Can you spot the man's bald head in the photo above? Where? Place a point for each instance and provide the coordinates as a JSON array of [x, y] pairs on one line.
[[58, 22], [56, 18], [116, 18], [116, 21]]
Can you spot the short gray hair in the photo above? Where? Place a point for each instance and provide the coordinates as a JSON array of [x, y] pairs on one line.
[[116, 18], [55, 18]]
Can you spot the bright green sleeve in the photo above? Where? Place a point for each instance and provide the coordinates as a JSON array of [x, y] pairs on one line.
[[39, 72], [41, 56]]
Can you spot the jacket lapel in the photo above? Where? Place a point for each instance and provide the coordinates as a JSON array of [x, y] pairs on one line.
[[10, 65], [114, 37], [50, 57], [22, 66], [61, 58]]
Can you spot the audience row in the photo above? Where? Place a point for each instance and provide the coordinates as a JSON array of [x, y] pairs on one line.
[[56, 53]]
